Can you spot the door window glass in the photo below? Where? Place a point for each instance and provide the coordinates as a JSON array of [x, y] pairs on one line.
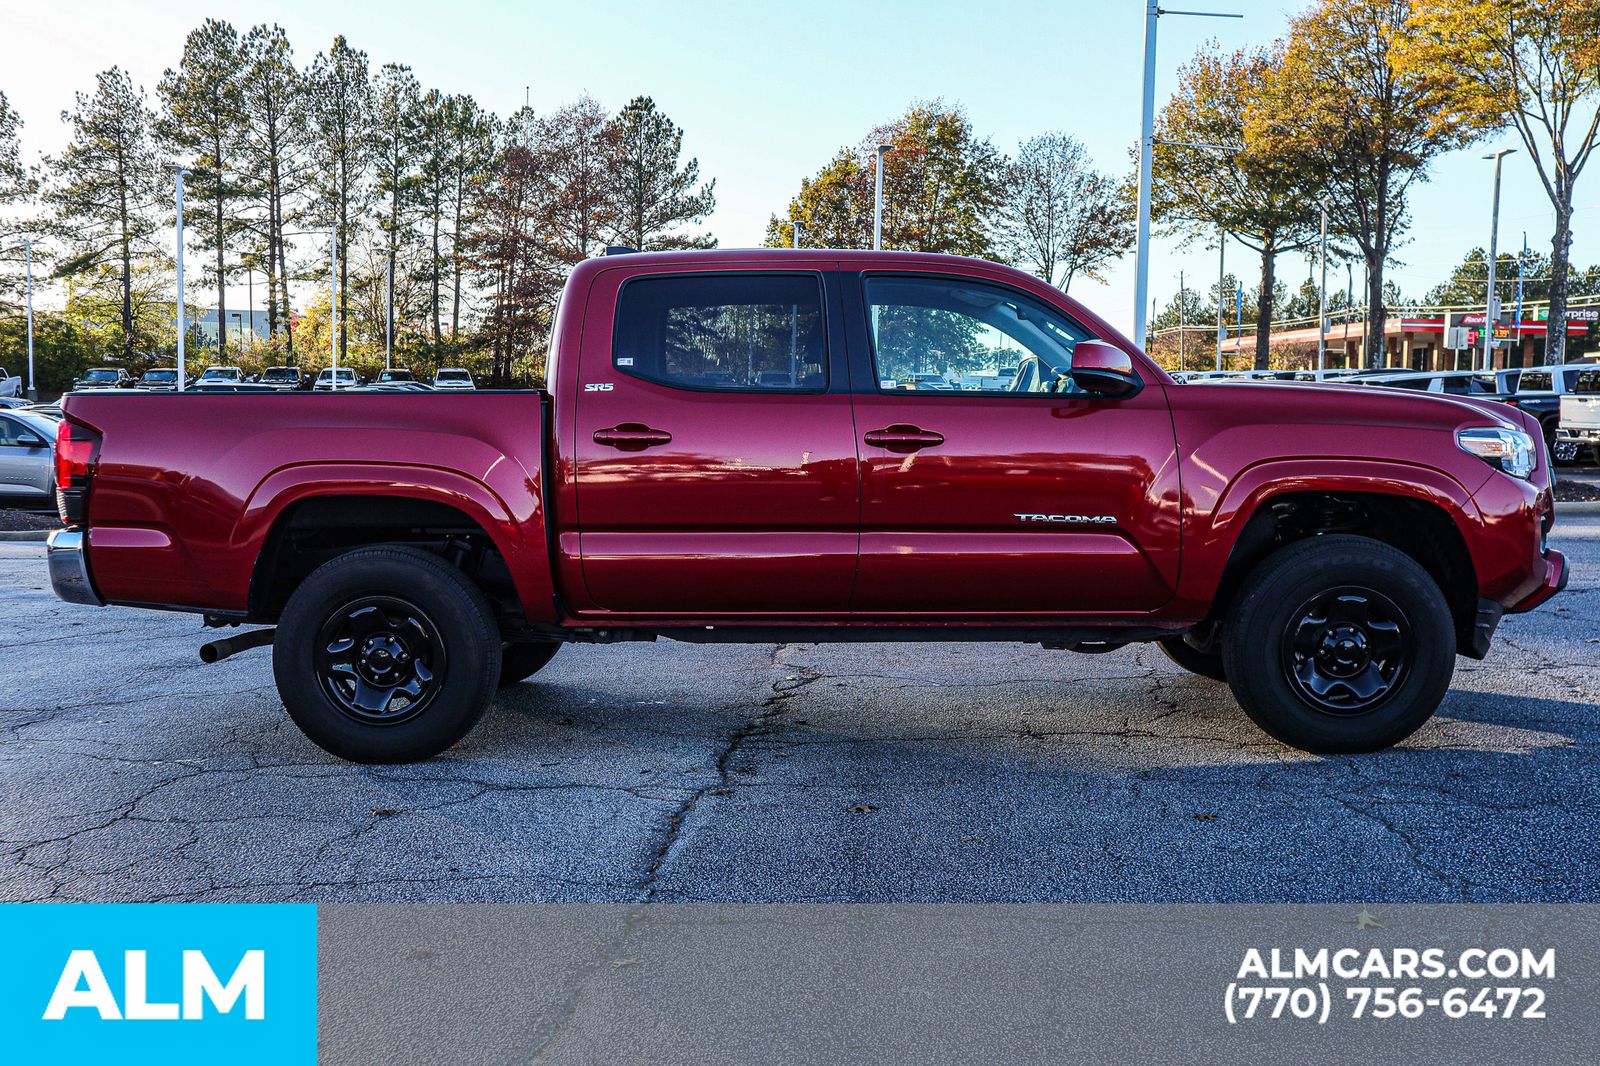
[[947, 335], [753, 332]]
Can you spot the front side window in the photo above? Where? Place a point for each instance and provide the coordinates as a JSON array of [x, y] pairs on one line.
[[723, 331], [934, 334]]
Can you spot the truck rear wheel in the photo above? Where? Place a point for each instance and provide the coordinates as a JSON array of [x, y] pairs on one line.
[[386, 655], [518, 662], [1339, 644]]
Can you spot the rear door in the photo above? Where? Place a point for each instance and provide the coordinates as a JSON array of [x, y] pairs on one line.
[[1028, 499], [716, 453]]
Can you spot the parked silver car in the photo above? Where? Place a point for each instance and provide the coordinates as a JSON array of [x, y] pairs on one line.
[[27, 454]]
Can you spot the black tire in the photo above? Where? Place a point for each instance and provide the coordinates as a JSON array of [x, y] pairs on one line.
[[1192, 659], [1339, 644], [518, 662], [386, 655]]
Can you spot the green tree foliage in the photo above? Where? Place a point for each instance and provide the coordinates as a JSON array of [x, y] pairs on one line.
[[104, 192], [1260, 199], [579, 203], [941, 185], [656, 195], [1341, 108], [1057, 215]]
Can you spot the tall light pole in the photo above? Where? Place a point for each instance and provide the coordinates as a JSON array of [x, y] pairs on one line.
[[388, 318], [27, 254], [797, 233], [1322, 298], [1183, 322], [1491, 311], [333, 309], [1147, 140], [178, 173], [877, 198], [1222, 306]]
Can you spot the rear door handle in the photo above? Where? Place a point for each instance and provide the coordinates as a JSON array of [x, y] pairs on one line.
[[903, 438], [632, 437]]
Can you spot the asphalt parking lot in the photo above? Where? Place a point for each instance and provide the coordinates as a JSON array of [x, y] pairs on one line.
[[669, 772]]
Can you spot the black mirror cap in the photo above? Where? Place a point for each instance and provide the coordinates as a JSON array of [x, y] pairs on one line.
[[1106, 383]]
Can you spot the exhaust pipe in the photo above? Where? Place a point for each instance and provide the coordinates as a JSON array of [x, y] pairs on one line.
[[219, 650]]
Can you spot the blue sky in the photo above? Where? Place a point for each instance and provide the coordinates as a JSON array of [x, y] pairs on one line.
[[768, 91]]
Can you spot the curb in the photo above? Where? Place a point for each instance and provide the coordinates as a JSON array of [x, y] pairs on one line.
[[1578, 507], [38, 535]]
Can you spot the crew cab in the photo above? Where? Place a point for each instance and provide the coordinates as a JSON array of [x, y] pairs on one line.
[[719, 455]]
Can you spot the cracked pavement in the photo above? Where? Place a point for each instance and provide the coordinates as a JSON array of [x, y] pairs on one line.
[[811, 773]]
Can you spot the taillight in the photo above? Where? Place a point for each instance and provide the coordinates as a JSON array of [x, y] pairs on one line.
[[76, 447]]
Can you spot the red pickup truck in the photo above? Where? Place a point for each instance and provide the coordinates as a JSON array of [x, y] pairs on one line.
[[758, 446]]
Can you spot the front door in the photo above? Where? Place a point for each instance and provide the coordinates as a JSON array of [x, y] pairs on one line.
[[25, 459], [716, 453], [991, 485]]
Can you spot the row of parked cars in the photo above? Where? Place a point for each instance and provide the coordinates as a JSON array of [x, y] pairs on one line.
[[1565, 398], [274, 379]]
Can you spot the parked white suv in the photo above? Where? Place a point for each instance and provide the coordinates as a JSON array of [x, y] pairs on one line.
[[329, 379], [453, 377], [221, 375]]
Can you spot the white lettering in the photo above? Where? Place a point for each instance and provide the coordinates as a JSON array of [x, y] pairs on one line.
[[200, 981], [82, 966]]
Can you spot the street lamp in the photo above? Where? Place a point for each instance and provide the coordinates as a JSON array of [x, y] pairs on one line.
[[1491, 311], [1147, 137], [877, 199], [178, 172], [1222, 307], [797, 233]]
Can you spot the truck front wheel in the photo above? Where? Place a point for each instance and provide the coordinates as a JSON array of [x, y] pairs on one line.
[[1339, 644], [386, 655]]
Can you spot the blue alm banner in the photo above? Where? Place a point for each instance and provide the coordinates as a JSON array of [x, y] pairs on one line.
[[159, 983]]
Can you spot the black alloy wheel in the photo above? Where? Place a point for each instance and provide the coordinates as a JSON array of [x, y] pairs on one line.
[[1346, 649], [380, 659]]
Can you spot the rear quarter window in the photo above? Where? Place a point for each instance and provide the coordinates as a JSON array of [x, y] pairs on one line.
[[723, 332]]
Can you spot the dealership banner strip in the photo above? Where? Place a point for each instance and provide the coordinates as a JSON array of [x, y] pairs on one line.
[[786, 983]]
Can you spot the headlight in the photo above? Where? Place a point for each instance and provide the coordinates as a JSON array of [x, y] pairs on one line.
[[1510, 450]]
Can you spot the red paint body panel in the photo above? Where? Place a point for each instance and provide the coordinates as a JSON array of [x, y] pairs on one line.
[[772, 508]]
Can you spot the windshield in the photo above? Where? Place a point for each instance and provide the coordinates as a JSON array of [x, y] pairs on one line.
[[395, 375], [215, 373], [279, 373], [161, 375], [100, 375]]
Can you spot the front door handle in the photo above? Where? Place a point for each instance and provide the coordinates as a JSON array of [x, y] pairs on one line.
[[632, 437], [903, 438]]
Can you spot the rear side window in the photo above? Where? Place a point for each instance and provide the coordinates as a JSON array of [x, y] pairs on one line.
[[1588, 381], [1535, 381], [752, 332]]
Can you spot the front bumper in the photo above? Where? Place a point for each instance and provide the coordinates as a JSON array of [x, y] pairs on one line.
[[1555, 579], [69, 568]]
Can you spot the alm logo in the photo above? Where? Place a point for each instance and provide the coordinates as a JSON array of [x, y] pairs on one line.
[[83, 985]]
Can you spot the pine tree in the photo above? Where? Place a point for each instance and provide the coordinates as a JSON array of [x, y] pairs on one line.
[[654, 195], [397, 136], [471, 133], [341, 103], [272, 151], [106, 185], [201, 125], [17, 185]]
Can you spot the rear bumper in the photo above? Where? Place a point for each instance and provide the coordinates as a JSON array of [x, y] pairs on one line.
[[69, 568]]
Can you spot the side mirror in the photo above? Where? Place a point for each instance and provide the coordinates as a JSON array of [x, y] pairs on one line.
[[1103, 369], [29, 440]]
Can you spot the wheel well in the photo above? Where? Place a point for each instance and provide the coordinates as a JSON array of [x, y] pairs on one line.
[[310, 532], [1424, 531]]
